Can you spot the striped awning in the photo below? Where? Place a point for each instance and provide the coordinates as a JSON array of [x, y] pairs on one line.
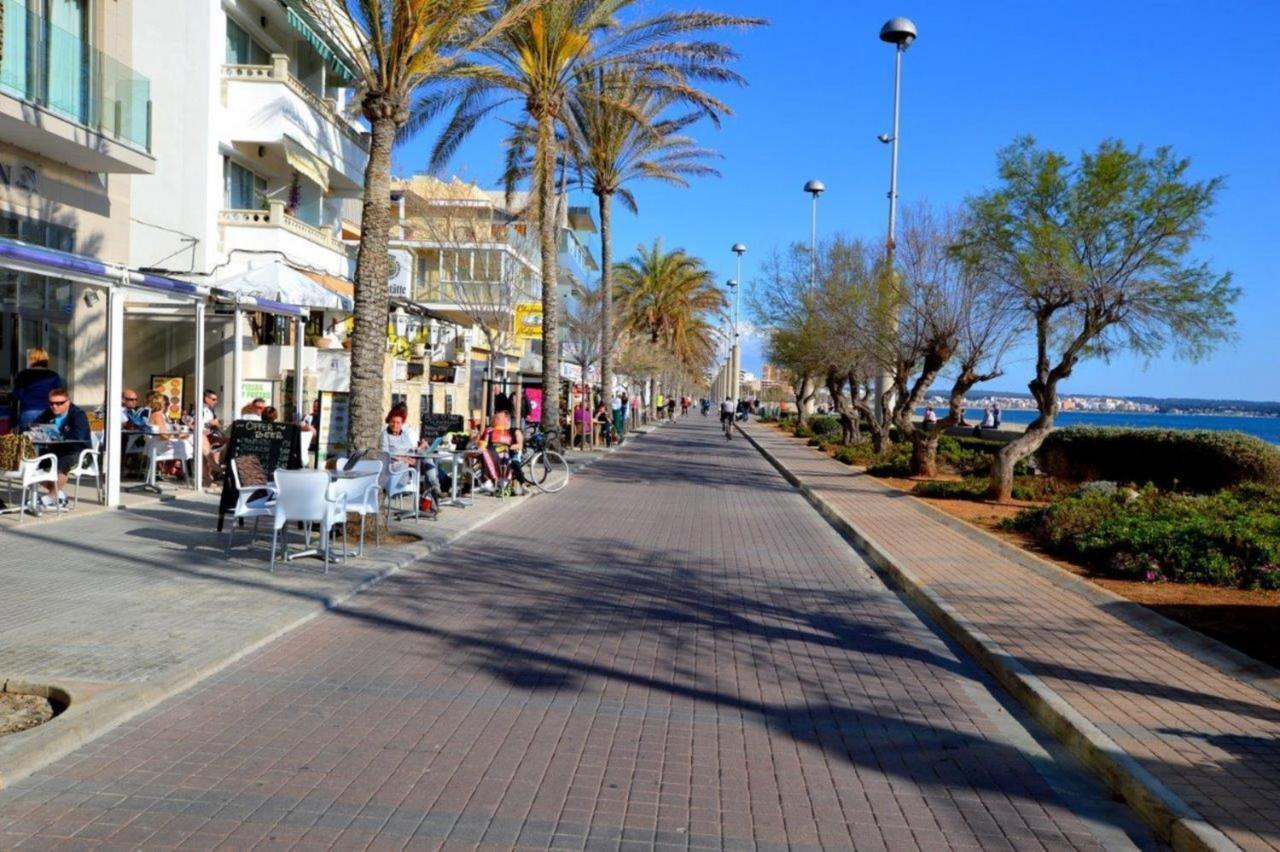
[[326, 52]]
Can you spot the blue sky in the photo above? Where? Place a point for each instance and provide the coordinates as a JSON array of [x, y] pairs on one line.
[[1204, 78]]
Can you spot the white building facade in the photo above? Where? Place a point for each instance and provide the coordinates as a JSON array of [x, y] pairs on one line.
[[256, 160]]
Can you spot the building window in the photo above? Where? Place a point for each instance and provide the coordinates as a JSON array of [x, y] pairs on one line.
[[244, 189], [242, 49]]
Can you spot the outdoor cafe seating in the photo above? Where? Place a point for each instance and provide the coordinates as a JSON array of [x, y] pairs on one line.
[[306, 497]]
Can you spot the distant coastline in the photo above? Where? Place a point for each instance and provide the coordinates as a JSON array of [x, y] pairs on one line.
[[1264, 426]]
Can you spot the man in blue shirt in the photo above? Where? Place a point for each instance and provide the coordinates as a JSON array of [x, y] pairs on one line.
[[72, 426]]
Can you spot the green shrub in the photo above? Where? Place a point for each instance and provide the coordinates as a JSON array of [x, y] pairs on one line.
[[895, 461], [1231, 538], [802, 431], [849, 454], [825, 425], [975, 488], [1201, 462]]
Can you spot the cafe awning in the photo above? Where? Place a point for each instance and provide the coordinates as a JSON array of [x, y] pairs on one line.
[[280, 283]]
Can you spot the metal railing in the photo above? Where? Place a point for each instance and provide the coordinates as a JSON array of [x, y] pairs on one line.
[[58, 70]]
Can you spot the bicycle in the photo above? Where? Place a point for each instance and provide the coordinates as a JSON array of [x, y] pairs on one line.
[[726, 423], [544, 466]]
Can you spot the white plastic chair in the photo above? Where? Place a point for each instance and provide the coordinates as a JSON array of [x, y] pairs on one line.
[[161, 448], [251, 502], [304, 446], [398, 481], [305, 496], [89, 464], [363, 495], [30, 475]]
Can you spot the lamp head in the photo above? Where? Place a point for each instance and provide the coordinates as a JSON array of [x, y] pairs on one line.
[[739, 249], [899, 31], [885, 138], [732, 283], [815, 188]]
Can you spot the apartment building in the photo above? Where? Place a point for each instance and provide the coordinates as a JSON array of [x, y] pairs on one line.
[[467, 263], [259, 165], [76, 119]]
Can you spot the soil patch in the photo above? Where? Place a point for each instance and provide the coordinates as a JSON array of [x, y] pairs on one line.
[[19, 712]]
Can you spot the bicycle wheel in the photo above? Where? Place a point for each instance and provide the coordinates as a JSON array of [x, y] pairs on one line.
[[548, 471]]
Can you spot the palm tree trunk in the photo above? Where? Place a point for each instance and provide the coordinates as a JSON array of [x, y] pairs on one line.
[[369, 338], [606, 296], [547, 226]]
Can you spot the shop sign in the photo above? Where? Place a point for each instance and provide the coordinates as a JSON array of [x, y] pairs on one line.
[[528, 319]]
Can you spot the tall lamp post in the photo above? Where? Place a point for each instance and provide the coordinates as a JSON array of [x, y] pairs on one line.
[[814, 188], [900, 32], [739, 249]]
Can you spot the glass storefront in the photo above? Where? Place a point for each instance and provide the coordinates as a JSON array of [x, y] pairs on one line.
[[35, 310]]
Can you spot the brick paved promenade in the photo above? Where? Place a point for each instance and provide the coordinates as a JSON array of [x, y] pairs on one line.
[[1212, 739], [674, 652]]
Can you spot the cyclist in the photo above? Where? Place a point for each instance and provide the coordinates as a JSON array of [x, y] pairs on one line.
[[726, 416]]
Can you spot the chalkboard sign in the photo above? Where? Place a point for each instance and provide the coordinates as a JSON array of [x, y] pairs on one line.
[[435, 425], [277, 445]]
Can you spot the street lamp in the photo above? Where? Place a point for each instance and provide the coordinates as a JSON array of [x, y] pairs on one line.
[[739, 249], [814, 188], [900, 32]]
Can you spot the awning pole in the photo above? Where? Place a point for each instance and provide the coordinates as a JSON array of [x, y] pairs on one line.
[[237, 366], [197, 440], [113, 444], [299, 412]]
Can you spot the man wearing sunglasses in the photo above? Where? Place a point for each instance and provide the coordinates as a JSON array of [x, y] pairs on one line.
[[72, 426]]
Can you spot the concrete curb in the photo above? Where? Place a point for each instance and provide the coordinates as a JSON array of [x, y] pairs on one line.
[[1170, 817]]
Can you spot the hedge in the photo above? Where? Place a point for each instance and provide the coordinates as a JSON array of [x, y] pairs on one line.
[[1197, 461]]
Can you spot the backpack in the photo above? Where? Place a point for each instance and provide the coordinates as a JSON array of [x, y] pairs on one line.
[[13, 449]]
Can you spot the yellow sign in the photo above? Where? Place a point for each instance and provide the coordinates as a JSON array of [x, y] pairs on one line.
[[529, 321]]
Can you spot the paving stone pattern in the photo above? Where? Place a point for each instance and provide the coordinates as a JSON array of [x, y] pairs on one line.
[[675, 652], [1212, 739]]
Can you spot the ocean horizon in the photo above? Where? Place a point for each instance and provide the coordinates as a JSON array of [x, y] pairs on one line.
[[1266, 428]]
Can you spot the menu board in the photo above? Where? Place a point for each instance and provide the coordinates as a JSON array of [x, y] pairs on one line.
[[435, 425], [333, 431], [276, 445], [171, 388]]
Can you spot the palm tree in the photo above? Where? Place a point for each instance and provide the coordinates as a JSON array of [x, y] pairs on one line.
[[396, 46], [538, 64], [671, 298], [618, 135]]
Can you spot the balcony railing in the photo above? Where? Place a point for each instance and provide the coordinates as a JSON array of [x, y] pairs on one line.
[[275, 217], [278, 72], [58, 70]]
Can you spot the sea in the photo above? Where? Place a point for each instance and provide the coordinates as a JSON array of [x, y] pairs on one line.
[[1266, 428]]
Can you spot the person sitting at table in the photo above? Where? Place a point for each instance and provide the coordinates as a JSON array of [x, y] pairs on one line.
[[270, 414], [501, 441], [131, 420], [31, 389], [160, 425], [72, 425], [399, 441], [213, 440], [253, 411]]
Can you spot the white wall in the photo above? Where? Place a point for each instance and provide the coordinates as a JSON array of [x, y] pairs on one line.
[[180, 51]]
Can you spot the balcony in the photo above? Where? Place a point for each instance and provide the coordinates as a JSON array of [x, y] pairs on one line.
[[274, 230], [64, 99], [263, 104]]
